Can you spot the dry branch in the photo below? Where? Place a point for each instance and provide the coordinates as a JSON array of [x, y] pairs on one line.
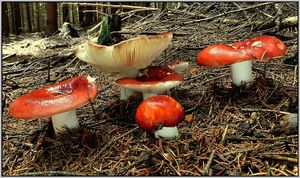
[[229, 12], [113, 6], [261, 25], [281, 158], [149, 33], [112, 142], [53, 173], [144, 156]]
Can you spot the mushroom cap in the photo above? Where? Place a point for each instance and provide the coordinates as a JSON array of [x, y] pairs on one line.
[[221, 54], [57, 98], [135, 53], [261, 47], [156, 79], [266, 47], [157, 111]]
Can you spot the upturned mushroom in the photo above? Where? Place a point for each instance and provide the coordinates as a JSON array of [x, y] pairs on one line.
[[155, 80], [59, 101], [160, 114], [126, 57], [240, 55]]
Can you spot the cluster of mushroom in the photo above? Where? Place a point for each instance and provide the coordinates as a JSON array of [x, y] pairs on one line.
[[130, 58]]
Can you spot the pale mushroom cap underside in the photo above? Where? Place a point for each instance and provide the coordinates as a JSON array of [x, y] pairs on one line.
[[135, 53], [152, 87]]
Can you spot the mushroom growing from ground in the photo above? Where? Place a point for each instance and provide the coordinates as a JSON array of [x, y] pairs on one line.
[[160, 114], [155, 80], [126, 57], [59, 101], [240, 54]]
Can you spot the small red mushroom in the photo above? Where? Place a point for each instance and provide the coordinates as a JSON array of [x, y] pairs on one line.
[[240, 54], [155, 79], [59, 101], [160, 110]]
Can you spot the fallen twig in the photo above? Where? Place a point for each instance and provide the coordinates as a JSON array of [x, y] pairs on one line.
[[53, 173], [111, 142], [206, 169], [8, 56], [263, 110], [229, 12], [112, 6], [281, 158], [145, 156]]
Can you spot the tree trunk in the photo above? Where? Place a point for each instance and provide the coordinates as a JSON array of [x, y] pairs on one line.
[[71, 19], [86, 19], [36, 10], [5, 22], [164, 6], [51, 18], [29, 15], [42, 16], [65, 12], [24, 17], [17, 18]]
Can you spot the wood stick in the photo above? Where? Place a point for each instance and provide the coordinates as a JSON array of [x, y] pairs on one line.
[[8, 56], [112, 6], [144, 156], [229, 12], [149, 33], [263, 110], [111, 142], [53, 173], [206, 169], [281, 158]]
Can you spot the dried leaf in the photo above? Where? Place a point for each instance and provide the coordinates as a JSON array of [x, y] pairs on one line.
[[188, 118]]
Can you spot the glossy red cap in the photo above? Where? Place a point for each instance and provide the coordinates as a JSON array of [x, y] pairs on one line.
[[57, 98], [154, 79], [267, 47], [221, 54], [158, 110], [261, 47]]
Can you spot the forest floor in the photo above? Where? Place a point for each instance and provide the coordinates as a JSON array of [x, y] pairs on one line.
[[226, 130]]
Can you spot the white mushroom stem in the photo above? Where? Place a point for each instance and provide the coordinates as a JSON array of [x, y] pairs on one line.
[[167, 132], [66, 119], [241, 73], [148, 95], [125, 93]]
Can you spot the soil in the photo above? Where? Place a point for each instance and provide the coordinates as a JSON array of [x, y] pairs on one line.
[[227, 130]]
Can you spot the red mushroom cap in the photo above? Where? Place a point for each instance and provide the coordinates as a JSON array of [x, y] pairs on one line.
[[57, 98], [158, 110], [221, 54], [267, 47], [154, 79], [261, 47]]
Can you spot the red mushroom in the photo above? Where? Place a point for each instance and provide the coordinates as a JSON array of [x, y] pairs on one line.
[[156, 79], [160, 110], [126, 57], [59, 101], [240, 54]]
